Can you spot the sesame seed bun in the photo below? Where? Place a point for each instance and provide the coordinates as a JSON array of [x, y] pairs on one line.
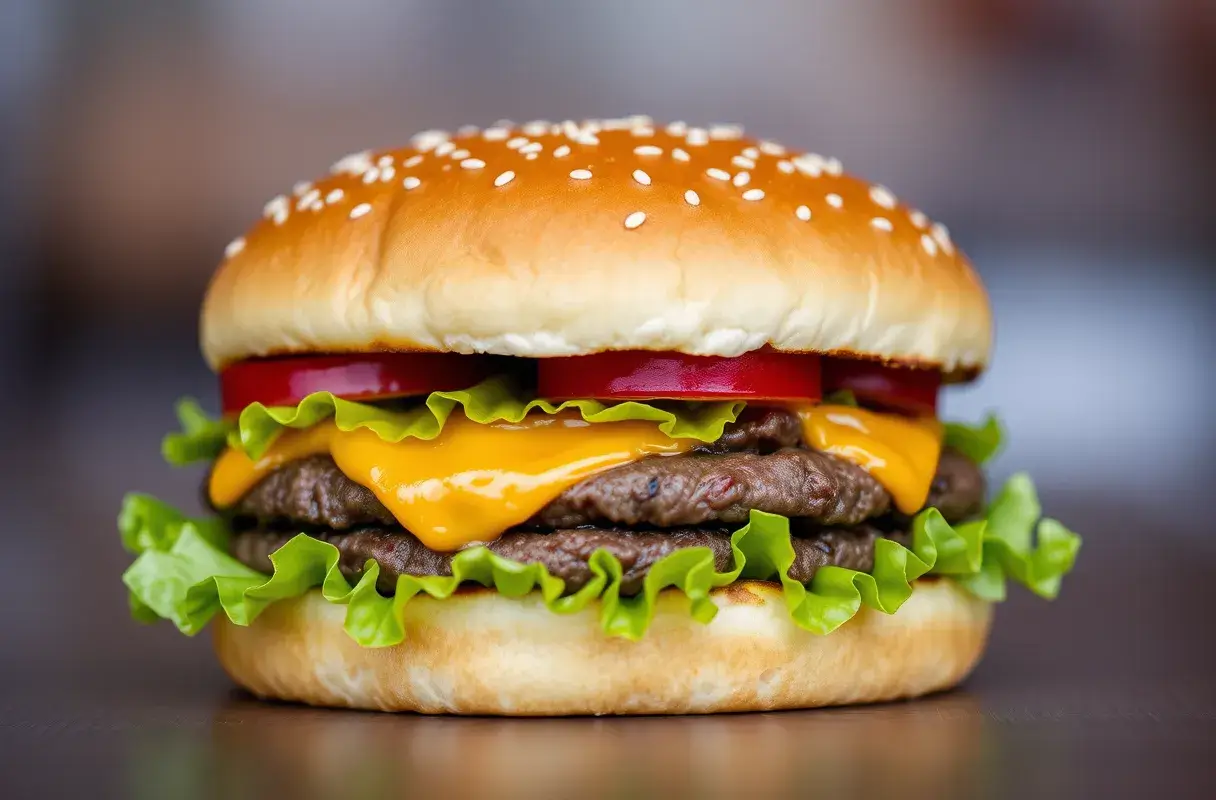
[[569, 239], [481, 653]]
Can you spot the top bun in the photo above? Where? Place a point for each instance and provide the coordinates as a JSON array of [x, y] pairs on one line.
[[573, 238]]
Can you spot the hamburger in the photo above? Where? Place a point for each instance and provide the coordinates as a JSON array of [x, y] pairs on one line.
[[591, 418]]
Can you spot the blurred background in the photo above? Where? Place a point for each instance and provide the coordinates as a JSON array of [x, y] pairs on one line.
[[1069, 146]]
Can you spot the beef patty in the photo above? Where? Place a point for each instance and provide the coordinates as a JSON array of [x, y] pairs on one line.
[[565, 553], [754, 465]]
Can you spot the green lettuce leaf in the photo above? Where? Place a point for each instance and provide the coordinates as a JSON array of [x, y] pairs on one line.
[[184, 574], [977, 442], [493, 400], [201, 438]]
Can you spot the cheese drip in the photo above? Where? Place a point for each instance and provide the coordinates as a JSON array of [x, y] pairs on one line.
[[470, 483], [901, 453]]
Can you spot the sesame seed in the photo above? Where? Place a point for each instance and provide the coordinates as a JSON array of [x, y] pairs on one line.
[[725, 131], [536, 128], [744, 163], [697, 137], [495, 134], [588, 138], [384, 161], [467, 130], [926, 241], [472, 163], [411, 182], [803, 213], [562, 152], [412, 161], [882, 196], [316, 205], [641, 121], [810, 164], [612, 124], [833, 167], [647, 150], [517, 142], [771, 148], [334, 196], [581, 174], [277, 209], [677, 128], [301, 187], [428, 140], [360, 210], [571, 129], [635, 219], [308, 199], [234, 247], [444, 148], [692, 198], [741, 178], [753, 194], [387, 174], [718, 174], [372, 175], [532, 147], [751, 152], [786, 166], [459, 155], [835, 200], [679, 154], [882, 224], [530, 156], [942, 236], [918, 219], [641, 177], [643, 132], [353, 164], [505, 178]]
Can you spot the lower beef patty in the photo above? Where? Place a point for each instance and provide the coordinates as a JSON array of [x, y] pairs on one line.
[[565, 553]]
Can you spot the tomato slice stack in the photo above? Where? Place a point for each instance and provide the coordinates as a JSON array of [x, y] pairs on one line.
[[362, 376], [911, 390], [760, 376], [643, 375]]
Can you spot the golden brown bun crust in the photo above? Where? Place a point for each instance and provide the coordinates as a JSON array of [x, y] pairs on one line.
[[481, 653], [484, 242]]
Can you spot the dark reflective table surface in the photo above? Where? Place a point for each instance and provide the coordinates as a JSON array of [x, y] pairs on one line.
[[124, 738]]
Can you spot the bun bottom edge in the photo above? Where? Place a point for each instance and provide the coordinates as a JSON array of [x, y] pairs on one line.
[[481, 653]]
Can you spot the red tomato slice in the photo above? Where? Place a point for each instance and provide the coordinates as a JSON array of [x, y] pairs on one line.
[[361, 376], [907, 389], [644, 375]]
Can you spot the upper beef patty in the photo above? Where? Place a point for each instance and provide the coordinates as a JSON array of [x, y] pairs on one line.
[[565, 553], [697, 489], [754, 465]]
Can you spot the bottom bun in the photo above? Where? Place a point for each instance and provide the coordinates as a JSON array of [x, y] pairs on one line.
[[481, 653]]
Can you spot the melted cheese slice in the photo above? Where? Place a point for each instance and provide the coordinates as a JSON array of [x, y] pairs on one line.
[[470, 483], [901, 453]]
